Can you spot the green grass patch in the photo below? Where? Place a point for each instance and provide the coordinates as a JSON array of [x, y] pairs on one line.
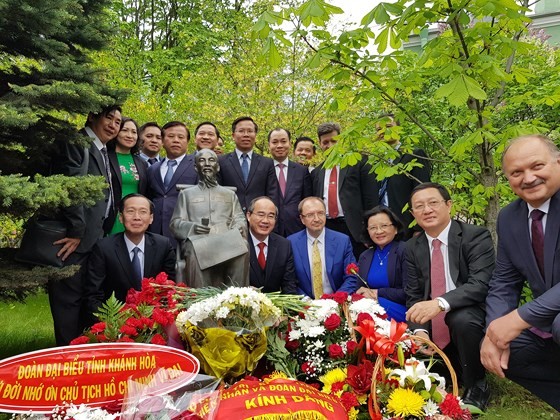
[[26, 326]]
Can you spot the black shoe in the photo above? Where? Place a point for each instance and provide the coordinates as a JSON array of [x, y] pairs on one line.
[[477, 395]]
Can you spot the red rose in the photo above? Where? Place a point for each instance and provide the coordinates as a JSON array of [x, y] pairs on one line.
[[359, 377], [292, 345], [362, 317], [351, 346], [308, 368], [340, 297], [98, 327], [352, 268], [80, 340], [332, 322], [101, 338], [158, 339], [349, 400], [335, 351]]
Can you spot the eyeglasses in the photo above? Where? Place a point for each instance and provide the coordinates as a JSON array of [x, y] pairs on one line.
[[318, 214], [261, 215], [249, 131], [382, 228], [133, 212], [433, 204]]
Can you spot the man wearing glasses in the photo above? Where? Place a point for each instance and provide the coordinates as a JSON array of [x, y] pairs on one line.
[[321, 255], [272, 262], [251, 174], [449, 269]]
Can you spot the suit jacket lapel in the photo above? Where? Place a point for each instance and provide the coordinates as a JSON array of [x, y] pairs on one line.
[[423, 258], [289, 179], [341, 175], [330, 252], [255, 162], [320, 180], [301, 247], [149, 245], [157, 174], [234, 162], [124, 258], [270, 258], [187, 160], [454, 250], [98, 158], [521, 230], [551, 239]]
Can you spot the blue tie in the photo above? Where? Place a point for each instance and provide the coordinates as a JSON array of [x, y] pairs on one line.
[[169, 174], [245, 167], [137, 269]]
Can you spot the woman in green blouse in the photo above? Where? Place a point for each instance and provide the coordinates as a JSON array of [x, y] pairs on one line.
[[128, 169]]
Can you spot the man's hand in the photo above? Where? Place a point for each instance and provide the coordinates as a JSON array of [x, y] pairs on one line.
[[422, 312], [201, 229], [503, 330], [493, 358], [69, 245], [428, 351], [367, 293]]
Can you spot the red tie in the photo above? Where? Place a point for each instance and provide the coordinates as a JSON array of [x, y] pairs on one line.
[[282, 178], [537, 238], [261, 258], [440, 332], [333, 194]]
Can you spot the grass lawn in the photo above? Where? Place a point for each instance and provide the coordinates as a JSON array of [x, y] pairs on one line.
[[28, 326]]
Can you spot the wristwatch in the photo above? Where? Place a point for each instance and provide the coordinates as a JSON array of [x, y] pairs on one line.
[[441, 305]]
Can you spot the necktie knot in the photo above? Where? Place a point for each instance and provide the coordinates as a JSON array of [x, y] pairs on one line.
[[281, 165], [171, 163], [152, 161], [135, 251], [436, 244], [537, 214], [261, 246], [261, 258]]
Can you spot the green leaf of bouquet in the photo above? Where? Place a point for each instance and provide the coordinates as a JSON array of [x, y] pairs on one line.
[[110, 313]]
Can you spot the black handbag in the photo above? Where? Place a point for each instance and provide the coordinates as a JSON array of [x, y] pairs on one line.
[[37, 243]]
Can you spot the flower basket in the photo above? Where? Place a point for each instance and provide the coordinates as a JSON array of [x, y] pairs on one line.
[[226, 352], [373, 402]]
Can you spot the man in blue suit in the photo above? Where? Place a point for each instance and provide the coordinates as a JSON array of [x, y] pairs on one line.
[[250, 173], [523, 342], [321, 255], [163, 176], [294, 183]]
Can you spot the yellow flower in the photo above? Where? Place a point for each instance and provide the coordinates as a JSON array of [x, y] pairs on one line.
[[404, 402], [332, 377], [353, 414]]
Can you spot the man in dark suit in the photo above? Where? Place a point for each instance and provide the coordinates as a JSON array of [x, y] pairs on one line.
[[321, 255], [348, 192], [163, 177], [150, 139], [250, 173], [294, 183], [272, 262], [84, 223], [394, 191], [523, 342], [449, 267], [119, 262]]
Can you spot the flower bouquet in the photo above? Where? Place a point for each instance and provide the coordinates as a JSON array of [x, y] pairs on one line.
[[227, 331]]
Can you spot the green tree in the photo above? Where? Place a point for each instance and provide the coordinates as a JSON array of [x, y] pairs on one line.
[[473, 87], [47, 80]]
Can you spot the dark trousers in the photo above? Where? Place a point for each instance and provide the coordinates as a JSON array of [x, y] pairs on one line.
[[466, 328], [339, 224], [534, 363], [66, 301]]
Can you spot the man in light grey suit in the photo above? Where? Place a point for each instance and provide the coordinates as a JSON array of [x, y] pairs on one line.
[[522, 342]]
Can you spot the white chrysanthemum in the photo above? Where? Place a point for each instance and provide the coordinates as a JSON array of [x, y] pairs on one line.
[[430, 408], [319, 344], [368, 306], [222, 312], [294, 335], [321, 309], [316, 331]]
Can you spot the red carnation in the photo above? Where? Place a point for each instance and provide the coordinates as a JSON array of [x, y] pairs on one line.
[[351, 346], [128, 330], [125, 340], [340, 297], [356, 297], [98, 327], [308, 368], [335, 351], [332, 322], [337, 386], [362, 317], [163, 317], [450, 407], [80, 340], [352, 268], [292, 345], [349, 400], [134, 322], [158, 339], [101, 338]]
